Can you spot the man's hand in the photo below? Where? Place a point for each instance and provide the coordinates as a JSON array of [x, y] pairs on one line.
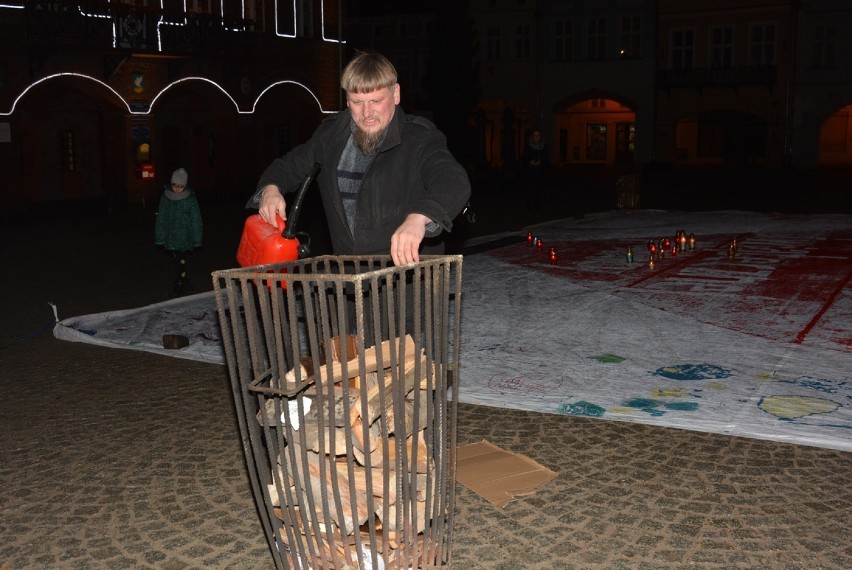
[[405, 241], [272, 203]]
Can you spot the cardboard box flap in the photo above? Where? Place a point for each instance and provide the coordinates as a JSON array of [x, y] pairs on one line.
[[498, 475]]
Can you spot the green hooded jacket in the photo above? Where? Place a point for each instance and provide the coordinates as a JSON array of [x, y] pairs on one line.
[[178, 226]]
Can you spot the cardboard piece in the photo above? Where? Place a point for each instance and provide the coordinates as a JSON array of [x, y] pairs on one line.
[[498, 475]]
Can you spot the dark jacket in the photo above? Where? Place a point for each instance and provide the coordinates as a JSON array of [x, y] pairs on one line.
[[413, 172], [178, 226]]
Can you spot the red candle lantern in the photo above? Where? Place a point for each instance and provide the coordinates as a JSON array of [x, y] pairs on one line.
[[553, 258], [539, 244], [529, 238]]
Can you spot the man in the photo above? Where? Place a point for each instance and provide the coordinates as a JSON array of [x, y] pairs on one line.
[[388, 182]]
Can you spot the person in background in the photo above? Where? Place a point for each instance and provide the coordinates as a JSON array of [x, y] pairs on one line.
[[178, 227], [535, 162], [388, 182]]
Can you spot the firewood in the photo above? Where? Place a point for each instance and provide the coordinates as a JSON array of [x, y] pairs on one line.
[[390, 523], [379, 397], [334, 478], [291, 382], [410, 423], [376, 487], [373, 436], [351, 345], [334, 372], [412, 442]]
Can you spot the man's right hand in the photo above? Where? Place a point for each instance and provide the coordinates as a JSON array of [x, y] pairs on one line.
[[272, 203]]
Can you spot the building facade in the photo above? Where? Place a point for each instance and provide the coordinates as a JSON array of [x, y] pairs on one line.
[[821, 101], [624, 84], [761, 82], [725, 73], [104, 99]]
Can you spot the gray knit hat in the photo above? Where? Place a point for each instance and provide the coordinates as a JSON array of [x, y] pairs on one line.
[[180, 176]]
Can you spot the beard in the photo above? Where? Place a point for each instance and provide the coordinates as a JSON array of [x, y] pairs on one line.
[[369, 143]]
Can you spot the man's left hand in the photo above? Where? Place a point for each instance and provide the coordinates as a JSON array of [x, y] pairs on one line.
[[405, 241]]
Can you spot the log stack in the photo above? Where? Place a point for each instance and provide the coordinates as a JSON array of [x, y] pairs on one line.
[[356, 461]]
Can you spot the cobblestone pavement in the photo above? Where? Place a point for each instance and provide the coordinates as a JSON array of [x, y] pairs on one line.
[[121, 459]]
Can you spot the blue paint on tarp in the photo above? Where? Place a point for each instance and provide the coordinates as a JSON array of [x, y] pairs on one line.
[[646, 405], [581, 408], [693, 372], [642, 403], [652, 407], [682, 406]]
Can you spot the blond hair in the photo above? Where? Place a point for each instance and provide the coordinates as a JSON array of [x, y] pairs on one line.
[[367, 72]]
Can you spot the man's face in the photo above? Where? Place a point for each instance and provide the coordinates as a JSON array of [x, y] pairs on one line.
[[373, 111]]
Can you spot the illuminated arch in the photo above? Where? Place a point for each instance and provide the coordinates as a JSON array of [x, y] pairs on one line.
[[576, 98], [123, 102], [202, 80], [289, 82], [67, 74]]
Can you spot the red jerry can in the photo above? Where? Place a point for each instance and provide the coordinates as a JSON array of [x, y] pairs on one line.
[[262, 243]]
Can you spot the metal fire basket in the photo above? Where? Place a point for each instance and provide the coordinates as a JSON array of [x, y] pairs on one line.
[[339, 369]]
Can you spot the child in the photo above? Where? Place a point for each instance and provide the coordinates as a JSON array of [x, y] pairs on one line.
[[178, 227]]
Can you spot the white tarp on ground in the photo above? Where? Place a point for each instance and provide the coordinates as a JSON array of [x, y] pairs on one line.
[[756, 345]]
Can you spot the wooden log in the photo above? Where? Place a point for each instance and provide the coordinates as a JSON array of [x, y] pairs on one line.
[[410, 423], [376, 486], [373, 436], [378, 457], [335, 372], [350, 343], [412, 524], [335, 479], [380, 397]]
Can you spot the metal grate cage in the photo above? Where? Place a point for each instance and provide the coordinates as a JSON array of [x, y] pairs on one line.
[[339, 367]]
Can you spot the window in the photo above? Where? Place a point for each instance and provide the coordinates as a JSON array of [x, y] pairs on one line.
[[596, 38], [631, 36], [522, 42], [825, 43], [762, 45], [683, 49], [305, 20], [562, 40], [199, 6], [254, 12], [721, 47], [493, 35]]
